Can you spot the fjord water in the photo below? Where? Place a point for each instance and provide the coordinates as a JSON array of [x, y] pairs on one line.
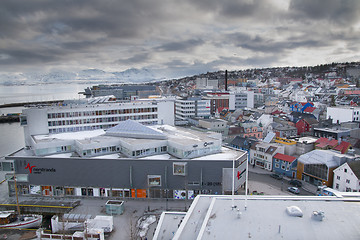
[[42, 92], [12, 134]]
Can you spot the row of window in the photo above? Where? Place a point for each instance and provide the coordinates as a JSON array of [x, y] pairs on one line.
[[100, 112], [92, 127], [100, 120], [277, 165], [117, 192]]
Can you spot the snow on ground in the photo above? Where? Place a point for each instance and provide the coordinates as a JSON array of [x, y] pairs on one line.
[[144, 223]]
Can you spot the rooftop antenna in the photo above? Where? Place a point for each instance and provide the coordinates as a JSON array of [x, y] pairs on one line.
[[226, 80], [247, 178], [233, 186]]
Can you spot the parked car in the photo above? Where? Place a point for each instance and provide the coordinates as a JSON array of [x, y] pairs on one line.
[[295, 183], [276, 176], [294, 190]]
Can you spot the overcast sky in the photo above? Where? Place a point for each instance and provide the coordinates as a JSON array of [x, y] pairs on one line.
[[173, 35]]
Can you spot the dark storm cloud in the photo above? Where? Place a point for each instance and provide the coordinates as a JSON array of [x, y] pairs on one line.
[[181, 45], [138, 58], [340, 12], [268, 45], [110, 33], [28, 57]]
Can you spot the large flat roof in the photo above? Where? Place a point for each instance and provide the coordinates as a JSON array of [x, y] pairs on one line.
[[226, 154], [265, 217]]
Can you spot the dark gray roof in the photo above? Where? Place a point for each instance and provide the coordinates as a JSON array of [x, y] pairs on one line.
[[355, 167]]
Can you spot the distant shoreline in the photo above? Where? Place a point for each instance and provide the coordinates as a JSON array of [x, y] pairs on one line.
[[21, 104]]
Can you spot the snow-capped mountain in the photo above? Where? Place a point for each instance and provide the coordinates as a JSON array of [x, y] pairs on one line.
[[132, 75]]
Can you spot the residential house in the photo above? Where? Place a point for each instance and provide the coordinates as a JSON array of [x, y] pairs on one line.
[[285, 130], [243, 143], [347, 177], [305, 125], [261, 154], [296, 116], [285, 165], [252, 129]]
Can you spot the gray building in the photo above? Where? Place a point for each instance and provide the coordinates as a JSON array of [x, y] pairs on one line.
[[128, 161]]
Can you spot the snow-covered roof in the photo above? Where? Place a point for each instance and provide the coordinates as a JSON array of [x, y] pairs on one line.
[[214, 217], [133, 129], [327, 157]]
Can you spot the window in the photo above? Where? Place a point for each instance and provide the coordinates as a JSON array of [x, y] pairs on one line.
[[154, 180], [337, 186], [347, 181], [179, 168], [277, 165], [345, 170], [338, 177]]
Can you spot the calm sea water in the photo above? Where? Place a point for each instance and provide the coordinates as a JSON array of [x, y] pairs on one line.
[[44, 92], [12, 134], [12, 138]]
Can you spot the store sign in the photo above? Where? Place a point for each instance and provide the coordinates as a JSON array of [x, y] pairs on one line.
[[35, 170]]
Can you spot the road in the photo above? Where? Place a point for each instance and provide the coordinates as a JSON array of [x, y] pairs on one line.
[[274, 183]]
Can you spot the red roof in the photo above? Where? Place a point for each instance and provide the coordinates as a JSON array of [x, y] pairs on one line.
[[342, 147], [284, 157], [309, 109], [277, 112], [333, 142], [324, 142]]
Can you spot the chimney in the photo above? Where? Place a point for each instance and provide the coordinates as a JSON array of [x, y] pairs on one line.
[[226, 79]]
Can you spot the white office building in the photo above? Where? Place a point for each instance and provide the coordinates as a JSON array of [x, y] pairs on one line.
[[241, 100], [343, 114], [84, 116], [191, 107]]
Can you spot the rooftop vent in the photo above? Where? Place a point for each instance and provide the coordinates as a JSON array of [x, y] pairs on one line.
[[318, 215], [294, 211]]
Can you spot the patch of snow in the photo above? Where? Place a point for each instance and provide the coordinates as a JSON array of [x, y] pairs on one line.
[[144, 224], [72, 135]]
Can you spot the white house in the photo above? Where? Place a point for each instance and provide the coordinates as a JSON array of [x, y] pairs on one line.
[[347, 177], [261, 154]]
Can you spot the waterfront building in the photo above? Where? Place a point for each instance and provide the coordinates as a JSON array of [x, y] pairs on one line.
[[130, 160], [121, 92], [84, 116]]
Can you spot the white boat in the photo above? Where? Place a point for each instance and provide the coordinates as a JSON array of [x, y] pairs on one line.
[[9, 219]]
